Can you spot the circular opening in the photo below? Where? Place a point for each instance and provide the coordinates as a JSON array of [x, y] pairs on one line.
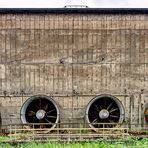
[[41, 110], [104, 111]]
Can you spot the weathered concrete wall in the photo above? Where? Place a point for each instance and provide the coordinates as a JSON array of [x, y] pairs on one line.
[[73, 57]]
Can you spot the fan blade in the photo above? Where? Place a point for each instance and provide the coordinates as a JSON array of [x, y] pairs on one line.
[[31, 113], [100, 107], [111, 121], [35, 117], [94, 120], [37, 106], [113, 110], [114, 116], [104, 102], [50, 111], [40, 103], [45, 107], [109, 106], [48, 121], [94, 113], [52, 117], [96, 107]]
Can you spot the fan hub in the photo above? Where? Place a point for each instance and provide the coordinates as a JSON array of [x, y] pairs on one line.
[[104, 114], [40, 114]]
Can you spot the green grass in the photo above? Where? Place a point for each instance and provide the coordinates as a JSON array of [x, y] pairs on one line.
[[129, 143]]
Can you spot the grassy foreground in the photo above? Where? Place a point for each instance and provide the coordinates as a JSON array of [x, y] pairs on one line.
[[131, 143]]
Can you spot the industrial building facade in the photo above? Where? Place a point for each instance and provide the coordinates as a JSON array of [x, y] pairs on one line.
[[73, 66]]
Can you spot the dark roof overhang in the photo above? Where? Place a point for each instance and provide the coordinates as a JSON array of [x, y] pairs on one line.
[[74, 10]]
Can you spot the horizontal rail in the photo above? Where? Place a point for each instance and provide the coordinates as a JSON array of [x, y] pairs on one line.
[[60, 129]]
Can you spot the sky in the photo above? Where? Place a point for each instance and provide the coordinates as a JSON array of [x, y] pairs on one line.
[[62, 3]]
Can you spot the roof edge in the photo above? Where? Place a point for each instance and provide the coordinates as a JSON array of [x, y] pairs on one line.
[[75, 10]]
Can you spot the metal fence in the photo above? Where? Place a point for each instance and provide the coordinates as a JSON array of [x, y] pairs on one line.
[[28, 132], [62, 132]]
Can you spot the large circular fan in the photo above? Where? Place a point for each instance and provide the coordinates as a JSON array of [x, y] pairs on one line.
[[40, 110], [104, 111]]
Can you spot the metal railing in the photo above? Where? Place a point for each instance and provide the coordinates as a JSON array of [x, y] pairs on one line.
[[138, 128], [28, 132]]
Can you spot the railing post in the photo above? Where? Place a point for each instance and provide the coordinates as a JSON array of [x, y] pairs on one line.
[[15, 132], [33, 132], [103, 130], [10, 132], [80, 132], [110, 131], [68, 136], [58, 136]]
